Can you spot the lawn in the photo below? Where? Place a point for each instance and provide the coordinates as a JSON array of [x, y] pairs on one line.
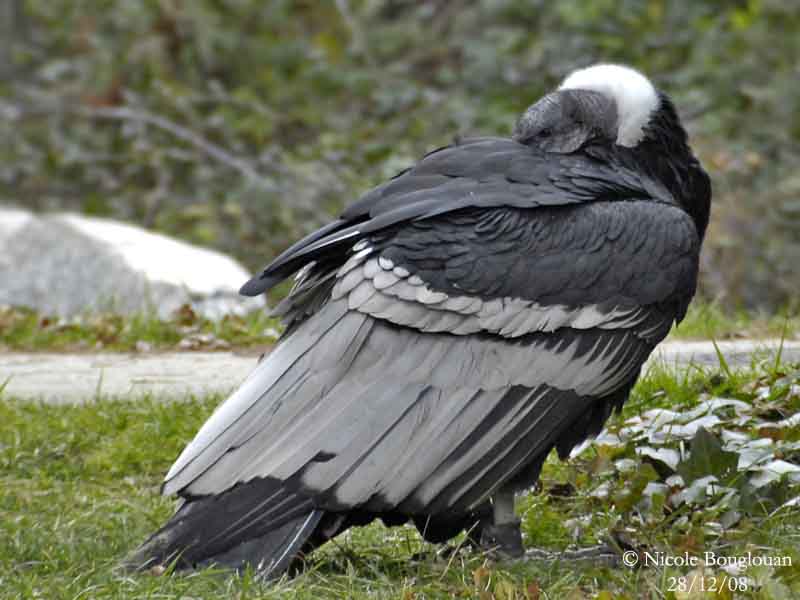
[[80, 490]]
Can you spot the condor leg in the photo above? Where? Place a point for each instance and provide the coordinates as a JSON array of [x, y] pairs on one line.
[[501, 532]]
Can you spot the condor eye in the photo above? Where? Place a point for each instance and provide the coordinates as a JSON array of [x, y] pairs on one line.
[[546, 132]]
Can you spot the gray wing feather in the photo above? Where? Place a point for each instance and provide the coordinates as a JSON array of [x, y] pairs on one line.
[[342, 415], [227, 426]]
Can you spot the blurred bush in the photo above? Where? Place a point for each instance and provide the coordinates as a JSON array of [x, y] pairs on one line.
[[242, 124]]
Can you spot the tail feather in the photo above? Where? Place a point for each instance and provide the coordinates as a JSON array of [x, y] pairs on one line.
[[258, 523], [273, 553]]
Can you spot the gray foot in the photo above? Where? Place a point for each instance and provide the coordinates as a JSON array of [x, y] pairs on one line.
[[504, 540]]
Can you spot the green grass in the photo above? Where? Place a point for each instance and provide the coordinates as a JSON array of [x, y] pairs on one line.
[[708, 320], [80, 490], [26, 330]]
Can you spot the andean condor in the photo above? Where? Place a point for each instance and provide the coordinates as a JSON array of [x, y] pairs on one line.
[[492, 302]]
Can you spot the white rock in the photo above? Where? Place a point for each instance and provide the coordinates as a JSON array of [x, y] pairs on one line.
[[65, 264]]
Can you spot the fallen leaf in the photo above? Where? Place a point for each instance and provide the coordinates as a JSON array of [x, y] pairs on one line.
[[185, 315], [480, 577], [533, 591]]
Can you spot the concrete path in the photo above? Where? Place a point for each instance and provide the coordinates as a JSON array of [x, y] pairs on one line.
[[60, 378]]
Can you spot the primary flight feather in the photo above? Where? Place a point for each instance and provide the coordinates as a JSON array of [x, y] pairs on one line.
[[493, 302]]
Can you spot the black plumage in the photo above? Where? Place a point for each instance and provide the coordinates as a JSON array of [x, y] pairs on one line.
[[493, 302]]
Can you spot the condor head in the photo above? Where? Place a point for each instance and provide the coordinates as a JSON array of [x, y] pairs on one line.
[[616, 115]]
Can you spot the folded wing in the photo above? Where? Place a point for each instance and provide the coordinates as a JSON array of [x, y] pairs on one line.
[[436, 359], [477, 172]]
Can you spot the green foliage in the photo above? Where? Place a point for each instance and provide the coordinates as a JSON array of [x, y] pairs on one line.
[[708, 458], [243, 124]]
